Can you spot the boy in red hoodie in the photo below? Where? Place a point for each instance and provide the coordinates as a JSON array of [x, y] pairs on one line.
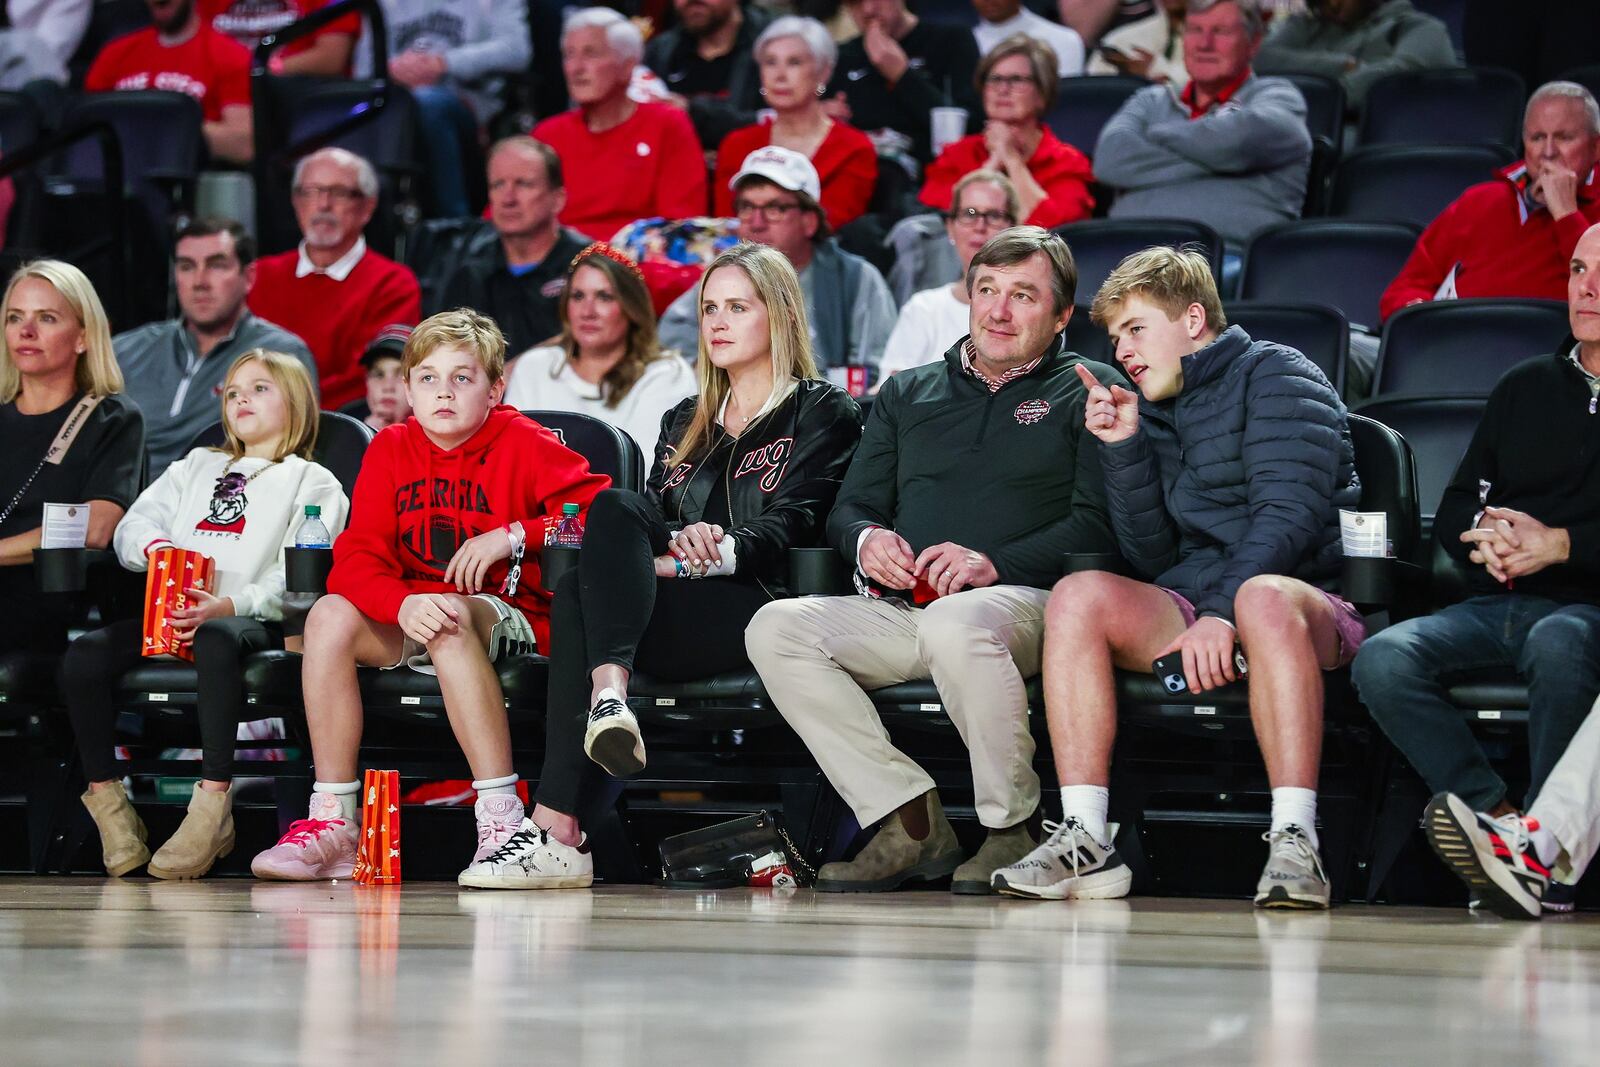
[[422, 580]]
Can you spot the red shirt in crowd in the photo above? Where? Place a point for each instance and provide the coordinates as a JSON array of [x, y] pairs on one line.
[[846, 162], [646, 166], [336, 312], [1497, 243], [1063, 172], [415, 503], [213, 69], [247, 21]]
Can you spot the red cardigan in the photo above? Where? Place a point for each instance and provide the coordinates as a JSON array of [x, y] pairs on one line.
[[846, 162], [1063, 171], [1500, 248]]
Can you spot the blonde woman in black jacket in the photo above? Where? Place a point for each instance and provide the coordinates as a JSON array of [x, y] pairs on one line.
[[669, 578]]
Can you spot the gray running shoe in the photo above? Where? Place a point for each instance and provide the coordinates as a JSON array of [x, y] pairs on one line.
[[1293, 877], [1069, 865]]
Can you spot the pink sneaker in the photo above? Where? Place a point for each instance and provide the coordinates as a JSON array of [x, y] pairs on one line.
[[498, 818], [320, 847]]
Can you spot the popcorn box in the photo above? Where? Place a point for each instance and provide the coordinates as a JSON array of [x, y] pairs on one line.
[[173, 572]]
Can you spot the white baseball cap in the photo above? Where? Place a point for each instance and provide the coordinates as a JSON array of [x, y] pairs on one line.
[[783, 167]]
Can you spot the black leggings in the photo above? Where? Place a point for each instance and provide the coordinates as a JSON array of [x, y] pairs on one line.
[[95, 661], [612, 608]]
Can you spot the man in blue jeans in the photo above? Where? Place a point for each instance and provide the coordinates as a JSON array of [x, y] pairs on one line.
[[1523, 512]]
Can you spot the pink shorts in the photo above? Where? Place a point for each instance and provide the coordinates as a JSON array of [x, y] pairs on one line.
[[1351, 627]]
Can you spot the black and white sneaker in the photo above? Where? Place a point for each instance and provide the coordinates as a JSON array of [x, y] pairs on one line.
[[1493, 856], [532, 859], [1559, 898], [1068, 865], [613, 739]]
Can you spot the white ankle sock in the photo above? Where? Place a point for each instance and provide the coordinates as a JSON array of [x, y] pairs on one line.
[[1293, 805], [497, 787], [349, 794], [1544, 844], [1089, 805]]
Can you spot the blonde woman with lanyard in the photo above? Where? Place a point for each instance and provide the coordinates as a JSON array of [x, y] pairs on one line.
[[743, 472], [70, 437], [240, 504]]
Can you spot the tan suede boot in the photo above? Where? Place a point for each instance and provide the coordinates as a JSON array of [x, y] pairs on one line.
[[892, 858], [122, 832], [1002, 848], [205, 836]]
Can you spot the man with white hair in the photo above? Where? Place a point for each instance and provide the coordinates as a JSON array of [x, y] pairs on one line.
[[1513, 236], [623, 160], [333, 291]]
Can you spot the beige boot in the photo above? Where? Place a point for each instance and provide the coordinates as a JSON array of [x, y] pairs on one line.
[[1000, 849], [892, 858], [205, 836], [122, 832]]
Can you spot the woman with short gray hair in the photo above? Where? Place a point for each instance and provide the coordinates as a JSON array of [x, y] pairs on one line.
[[796, 58]]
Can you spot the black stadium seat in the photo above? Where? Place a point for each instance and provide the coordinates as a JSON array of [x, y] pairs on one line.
[[1410, 183], [1085, 104], [1468, 105], [1438, 430], [1087, 339], [1338, 262], [1098, 245], [1317, 331], [1462, 347], [1325, 105]]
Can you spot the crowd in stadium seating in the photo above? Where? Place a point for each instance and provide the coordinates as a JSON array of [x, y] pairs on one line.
[[765, 168]]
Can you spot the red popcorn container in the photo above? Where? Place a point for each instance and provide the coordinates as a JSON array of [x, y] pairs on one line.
[[378, 855], [173, 572]]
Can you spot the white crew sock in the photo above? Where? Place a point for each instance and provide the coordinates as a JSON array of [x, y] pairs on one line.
[[1544, 844], [1089, 805], [497, 787], [349, 794], [1294, 806]]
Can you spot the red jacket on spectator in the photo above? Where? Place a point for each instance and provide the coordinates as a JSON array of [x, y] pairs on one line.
[[336, 312], [846, 162], [649, 165], [1063, 171], [415, 504], [1498, 244], [213, 69]]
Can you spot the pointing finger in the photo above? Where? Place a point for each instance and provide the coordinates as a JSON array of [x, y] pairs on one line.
[[1086, 376]]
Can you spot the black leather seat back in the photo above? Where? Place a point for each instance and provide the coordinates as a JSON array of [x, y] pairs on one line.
[[1410, 183], [609, 450], [1085, 104], [1098, 245], [341, 444], [1463, 347], [1456, 106], [1388, 472], [1341, 263], [1320, 333], [1438, 430]]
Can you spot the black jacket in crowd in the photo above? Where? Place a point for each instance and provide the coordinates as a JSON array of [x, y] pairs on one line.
[[1012, 474], [779, 477], [714, 117], [1242, 473], [527, 306], [942, 61], [1538, 448]]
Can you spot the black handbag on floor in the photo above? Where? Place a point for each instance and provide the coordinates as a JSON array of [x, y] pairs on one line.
[[753, 850]]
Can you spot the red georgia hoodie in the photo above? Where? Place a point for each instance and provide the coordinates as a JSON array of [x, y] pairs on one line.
[[416, 503]]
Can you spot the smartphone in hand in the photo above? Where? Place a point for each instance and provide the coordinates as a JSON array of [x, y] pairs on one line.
[[1169, 670]]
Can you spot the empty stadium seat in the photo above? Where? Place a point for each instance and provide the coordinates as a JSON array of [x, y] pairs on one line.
[[1342, 263], [1409, 183], [1438, 430], [1471, 105], [1084, 105], [1588, 77], [1462, 347], [1318, 332], [1098, 245], [1087, 339], [1325, 105]]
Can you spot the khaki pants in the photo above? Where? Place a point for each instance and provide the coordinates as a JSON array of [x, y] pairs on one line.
[[817, 655], [1568, 804]]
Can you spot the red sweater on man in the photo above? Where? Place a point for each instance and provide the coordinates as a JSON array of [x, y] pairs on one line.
[[336, 318], [415, 504], [1062, 170], [213, 69], [648, 166], [1498, 243], [846, 162]]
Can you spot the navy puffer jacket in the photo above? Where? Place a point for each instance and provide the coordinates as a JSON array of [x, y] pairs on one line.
[[1243, 473]]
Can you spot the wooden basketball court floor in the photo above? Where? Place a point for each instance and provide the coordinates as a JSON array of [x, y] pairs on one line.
[[230, 971]]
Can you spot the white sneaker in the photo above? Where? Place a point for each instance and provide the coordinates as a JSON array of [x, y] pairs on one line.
[[1293, 876], [612, 739], [532, 859], [1068, 865], [499, 816]]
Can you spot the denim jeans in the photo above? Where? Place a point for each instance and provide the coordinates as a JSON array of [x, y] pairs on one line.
[[448, 130], [1402, 672]]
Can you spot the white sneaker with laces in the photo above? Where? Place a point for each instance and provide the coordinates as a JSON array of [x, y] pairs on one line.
[[1293, 877], [532, 859], [499, 816], [1494, 857], [1069, 864], [613, 739]]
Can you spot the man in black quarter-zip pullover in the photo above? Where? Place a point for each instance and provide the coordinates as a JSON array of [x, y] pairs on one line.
[[1523, 512], [973, 478]]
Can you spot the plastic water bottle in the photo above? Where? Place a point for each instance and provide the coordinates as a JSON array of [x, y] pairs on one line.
[[312, 532], [569, 531]]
